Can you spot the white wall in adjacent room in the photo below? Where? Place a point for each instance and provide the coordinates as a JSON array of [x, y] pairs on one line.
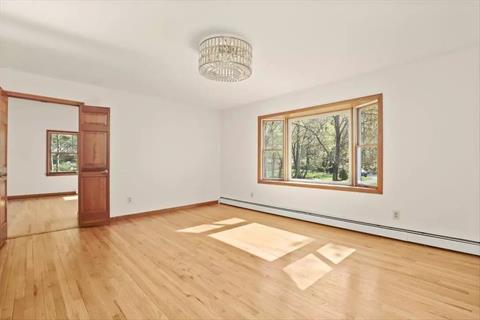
[[163, 154], [28, 122], [431, 148]]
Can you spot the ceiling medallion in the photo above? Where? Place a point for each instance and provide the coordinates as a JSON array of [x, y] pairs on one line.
[[225, 58]]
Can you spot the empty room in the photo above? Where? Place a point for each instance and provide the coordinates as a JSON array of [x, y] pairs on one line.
[[240, 159]]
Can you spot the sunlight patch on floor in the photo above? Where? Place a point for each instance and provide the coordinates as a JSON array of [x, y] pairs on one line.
[[70, 198], [262, 241], [201, 228], [230, 221], [335, 252], [307, 270]]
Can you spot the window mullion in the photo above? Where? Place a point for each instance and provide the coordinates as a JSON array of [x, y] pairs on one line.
[[353, 137]]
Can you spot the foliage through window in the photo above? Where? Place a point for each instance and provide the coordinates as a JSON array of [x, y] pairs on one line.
[[319, 148], [335, 145], [61, 152]]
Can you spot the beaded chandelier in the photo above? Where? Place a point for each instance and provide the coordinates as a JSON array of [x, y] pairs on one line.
[[225, 58]]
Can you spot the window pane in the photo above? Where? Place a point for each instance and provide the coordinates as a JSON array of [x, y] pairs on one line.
[[368, 117], [273, 135], [54, 142], [320, 148], [273, 165], [63, 162], [65, 143], [368, 166], [74, 141], [273, 149]]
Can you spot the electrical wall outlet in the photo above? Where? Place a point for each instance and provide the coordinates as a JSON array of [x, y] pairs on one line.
[[396, 214], [129, 199], [251, 194]]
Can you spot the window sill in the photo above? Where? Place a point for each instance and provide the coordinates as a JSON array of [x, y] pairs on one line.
[[377, 190], [56, 174]]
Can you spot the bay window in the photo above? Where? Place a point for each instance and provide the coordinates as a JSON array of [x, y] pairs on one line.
[[332, 146]]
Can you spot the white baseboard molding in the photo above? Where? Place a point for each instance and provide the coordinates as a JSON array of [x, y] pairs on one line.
[[429, 239]]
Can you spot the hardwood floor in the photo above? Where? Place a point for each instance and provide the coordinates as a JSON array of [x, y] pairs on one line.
[[37, 215], [151, 267]]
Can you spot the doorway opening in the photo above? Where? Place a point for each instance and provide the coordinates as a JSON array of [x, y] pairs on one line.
[[84, 153], [42, 157]]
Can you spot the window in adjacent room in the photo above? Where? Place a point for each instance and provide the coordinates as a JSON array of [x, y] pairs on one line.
[[333, 146], [61, 152]]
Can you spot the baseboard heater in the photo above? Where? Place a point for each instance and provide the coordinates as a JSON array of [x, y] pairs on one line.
[[430, 239]]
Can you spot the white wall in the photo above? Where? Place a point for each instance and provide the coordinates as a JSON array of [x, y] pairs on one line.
[[163, 154], [28, 122], [431, 148]]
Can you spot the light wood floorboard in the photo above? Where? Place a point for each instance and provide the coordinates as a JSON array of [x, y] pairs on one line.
[[38, 215], [143, 268]]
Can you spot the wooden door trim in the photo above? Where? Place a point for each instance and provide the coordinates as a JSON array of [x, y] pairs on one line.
[[3, 229], [34, 97]]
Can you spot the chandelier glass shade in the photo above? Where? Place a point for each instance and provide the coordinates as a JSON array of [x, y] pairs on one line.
[[225, 58]]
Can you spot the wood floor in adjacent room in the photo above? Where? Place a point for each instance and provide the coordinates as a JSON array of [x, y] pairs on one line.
[[223, 262], [37, 215]]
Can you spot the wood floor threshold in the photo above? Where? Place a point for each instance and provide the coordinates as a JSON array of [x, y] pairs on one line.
[[38, 233], [155, 212], [41, 195]]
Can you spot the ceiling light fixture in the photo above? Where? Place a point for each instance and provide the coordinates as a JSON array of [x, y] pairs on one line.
[[225, 58]]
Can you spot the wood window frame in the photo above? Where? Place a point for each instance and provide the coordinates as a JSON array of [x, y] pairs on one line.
[[354, 106], [49, 153]]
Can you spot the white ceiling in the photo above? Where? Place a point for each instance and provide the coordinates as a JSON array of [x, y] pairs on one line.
[[150, 47]]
